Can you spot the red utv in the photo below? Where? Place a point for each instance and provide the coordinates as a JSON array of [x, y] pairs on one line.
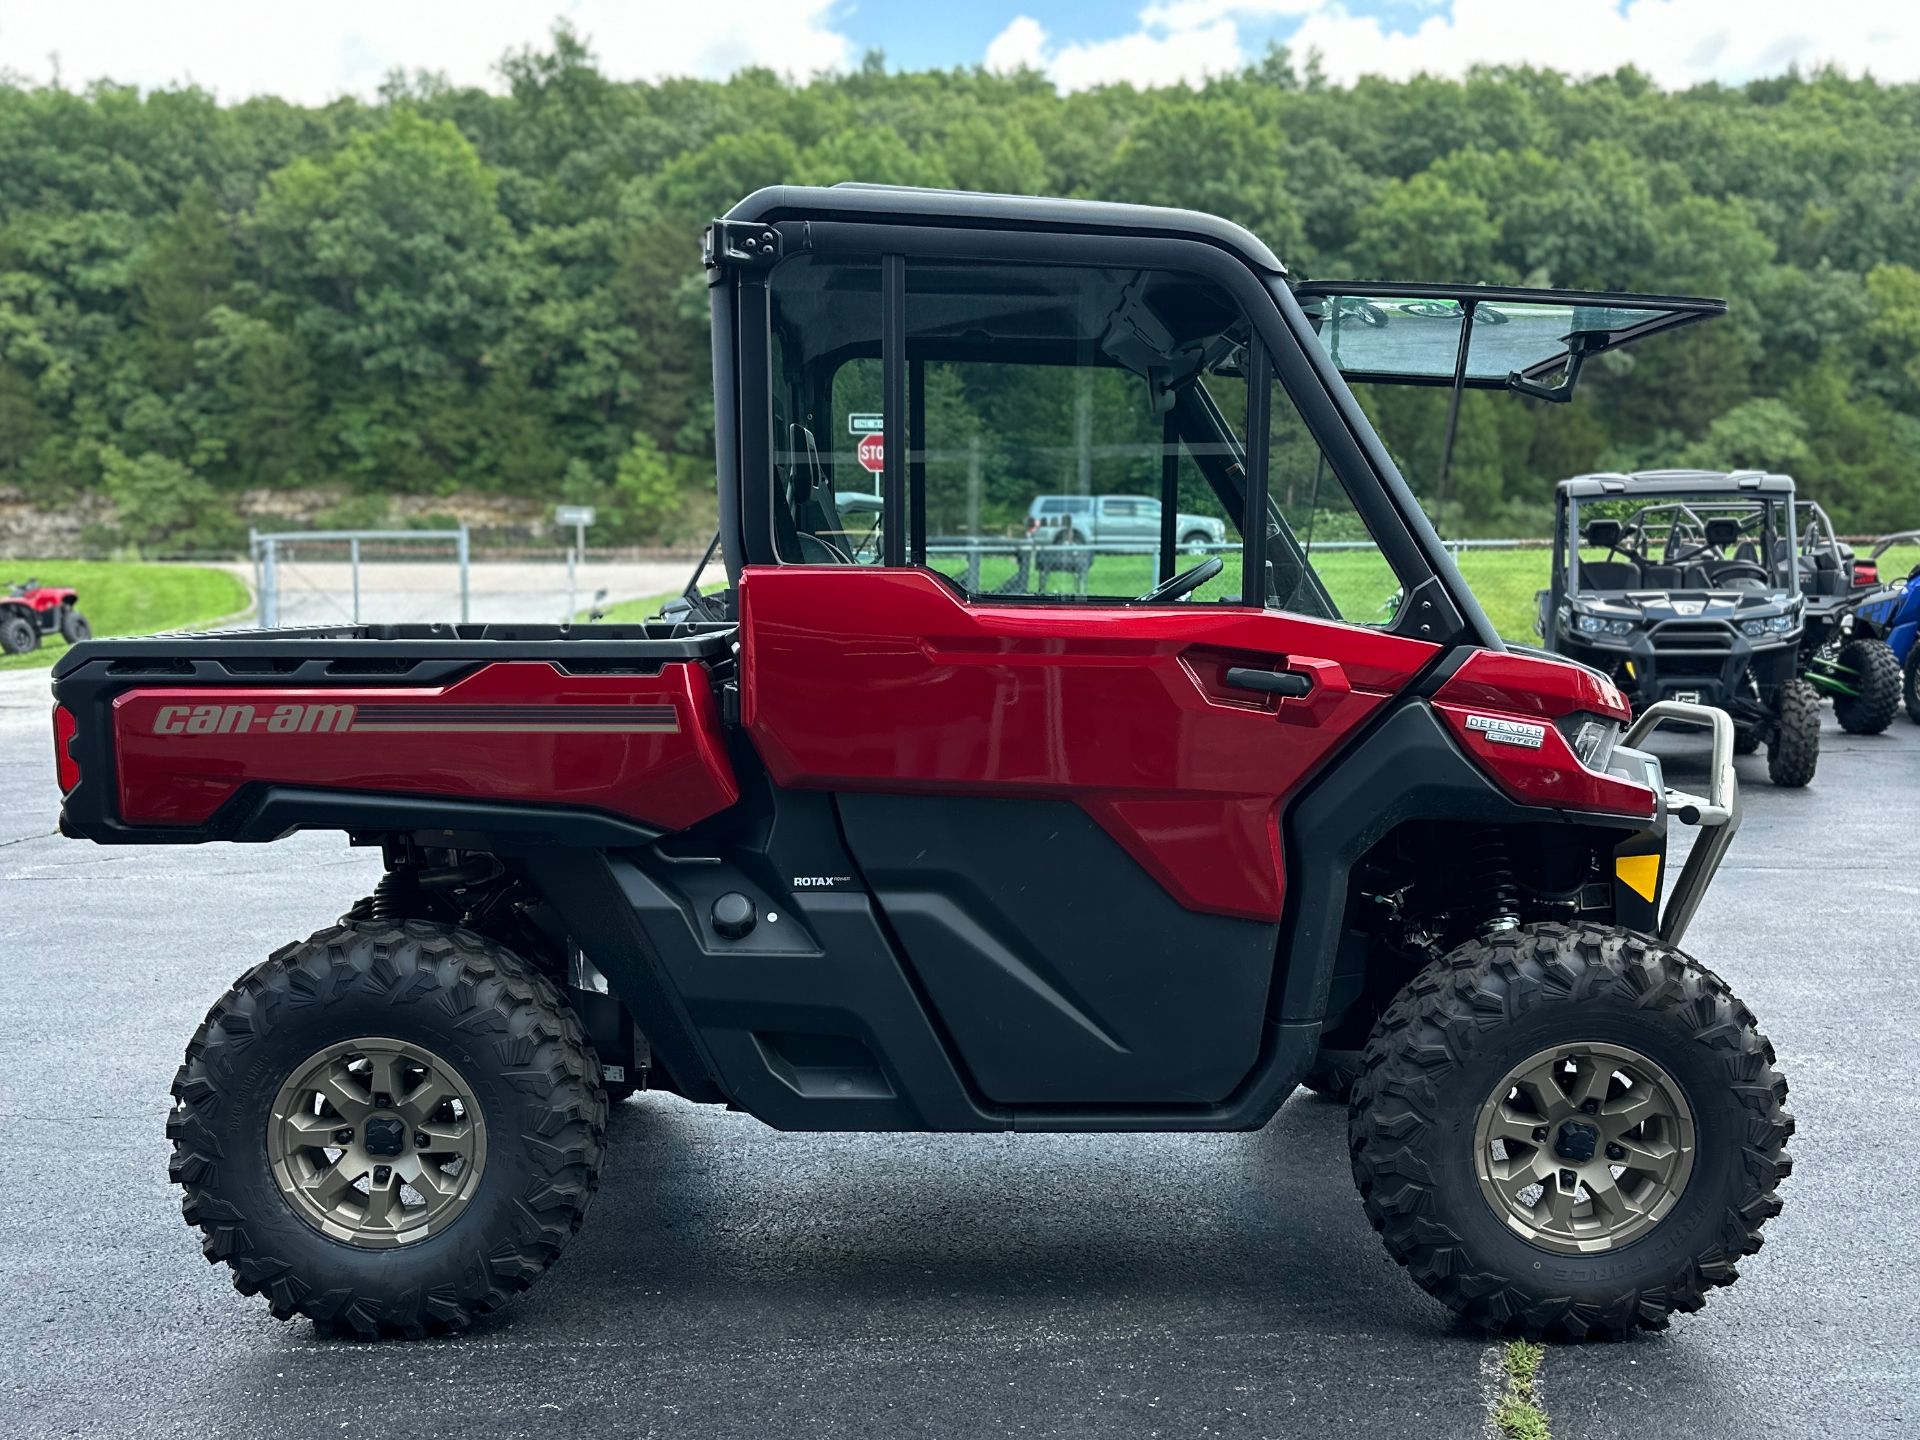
[[887, 840], [30, 611]]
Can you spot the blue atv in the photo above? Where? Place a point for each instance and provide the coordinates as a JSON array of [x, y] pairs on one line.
[[1892, 614]]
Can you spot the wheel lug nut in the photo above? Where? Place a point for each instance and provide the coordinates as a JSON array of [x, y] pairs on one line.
[[1539, 1132], [382, 1100], [382, 1174], [343, 1137], [1614, 1152], [1568, 1179], [421, 1140], [1589, 1107]]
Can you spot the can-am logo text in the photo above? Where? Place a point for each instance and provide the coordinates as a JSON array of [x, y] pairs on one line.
[[1509, 732], [252, 719]]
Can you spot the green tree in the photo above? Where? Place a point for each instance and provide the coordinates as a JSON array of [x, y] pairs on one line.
[[1211, 156], [161, 505]]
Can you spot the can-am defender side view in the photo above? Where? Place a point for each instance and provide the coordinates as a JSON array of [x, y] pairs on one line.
[[1840, 655], [1681, 585], [892, 845]]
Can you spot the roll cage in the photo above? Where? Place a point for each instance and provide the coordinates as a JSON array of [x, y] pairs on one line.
[[1677, 506]]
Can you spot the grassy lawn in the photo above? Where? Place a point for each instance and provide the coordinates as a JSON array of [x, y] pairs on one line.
[[129, 599], [1505, 582]]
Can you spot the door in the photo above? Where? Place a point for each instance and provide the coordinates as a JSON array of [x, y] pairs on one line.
[[1067, 803]]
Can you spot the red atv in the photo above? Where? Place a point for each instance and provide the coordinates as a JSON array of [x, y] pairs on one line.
[[880, 840], [29, 611]]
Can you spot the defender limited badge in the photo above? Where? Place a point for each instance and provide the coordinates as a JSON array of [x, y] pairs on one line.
[[1509, 732]]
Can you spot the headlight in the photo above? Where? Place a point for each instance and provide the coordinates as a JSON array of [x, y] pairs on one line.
[[1773, 625], [1753, 627], [1781, 624], [1592, 738], [1601, 625]]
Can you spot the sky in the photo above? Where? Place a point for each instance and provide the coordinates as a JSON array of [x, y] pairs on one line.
[[313, 52]]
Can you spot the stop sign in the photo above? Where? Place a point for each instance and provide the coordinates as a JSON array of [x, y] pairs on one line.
[[872, 453]]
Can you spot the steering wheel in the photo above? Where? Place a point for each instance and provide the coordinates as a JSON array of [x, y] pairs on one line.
[[1185, 583], [1738, 570]]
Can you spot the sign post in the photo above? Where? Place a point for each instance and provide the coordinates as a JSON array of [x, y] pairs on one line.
[[580, 517]]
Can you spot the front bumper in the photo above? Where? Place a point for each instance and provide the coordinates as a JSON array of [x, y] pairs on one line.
[[1706, 662], [1717, 814]]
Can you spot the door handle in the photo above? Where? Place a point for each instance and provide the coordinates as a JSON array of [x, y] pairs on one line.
[[1288, 684]]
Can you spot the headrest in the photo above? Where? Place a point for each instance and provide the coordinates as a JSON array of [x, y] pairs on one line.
[[1603, 533], [1723, 531]]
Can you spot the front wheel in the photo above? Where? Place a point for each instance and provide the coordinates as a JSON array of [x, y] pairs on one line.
[[74, 626], [1794, 750], [17, 635], [1913, 683], [389, 1128], [1874, 672], [1569, 1131]]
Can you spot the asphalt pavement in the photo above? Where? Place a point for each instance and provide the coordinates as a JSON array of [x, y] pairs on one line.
[[732, 1280]]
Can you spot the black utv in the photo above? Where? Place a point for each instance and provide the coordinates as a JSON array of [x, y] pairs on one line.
[[1683, 585], [1843, 660]]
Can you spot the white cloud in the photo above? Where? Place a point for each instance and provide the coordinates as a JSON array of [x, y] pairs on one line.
[[315, 52], [1021, 46], [1152, 55], [1677, 42]]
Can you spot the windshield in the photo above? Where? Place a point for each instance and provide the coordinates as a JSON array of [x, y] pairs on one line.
[[1411, 334], [1679, 543]]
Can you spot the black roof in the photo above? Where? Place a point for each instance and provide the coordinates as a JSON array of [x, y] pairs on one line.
[[909, 205], [1654, 484]]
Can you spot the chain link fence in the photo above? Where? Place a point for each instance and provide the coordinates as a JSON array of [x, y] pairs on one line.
[[415, 576]]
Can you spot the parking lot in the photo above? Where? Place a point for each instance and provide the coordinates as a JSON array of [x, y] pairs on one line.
[[736, 1281]]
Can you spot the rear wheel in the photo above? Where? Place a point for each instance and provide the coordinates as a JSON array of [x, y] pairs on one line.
[[74, 626], [389, 1128], [1794, 750], [1566, 1131], [17, 635], [1913, 683], [1874, 672], [1746, 740]]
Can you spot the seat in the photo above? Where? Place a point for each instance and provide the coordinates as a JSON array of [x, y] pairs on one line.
[[1609, 574], [1662, 577]]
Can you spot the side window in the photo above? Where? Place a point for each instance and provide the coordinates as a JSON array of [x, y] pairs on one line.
[[1056, 414], [1321, 558], [1050, 426], [827, 414]]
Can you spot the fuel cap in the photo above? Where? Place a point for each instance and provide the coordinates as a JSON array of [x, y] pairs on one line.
[[733, 915]]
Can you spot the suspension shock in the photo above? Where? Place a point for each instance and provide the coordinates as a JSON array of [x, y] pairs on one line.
[[396, 896], [1499, 891]]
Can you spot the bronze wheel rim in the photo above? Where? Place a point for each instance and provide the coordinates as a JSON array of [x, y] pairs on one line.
[[1584, 1148], [376, 1142]]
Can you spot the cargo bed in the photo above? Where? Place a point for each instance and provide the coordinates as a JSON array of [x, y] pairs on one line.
[[580, 734]]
